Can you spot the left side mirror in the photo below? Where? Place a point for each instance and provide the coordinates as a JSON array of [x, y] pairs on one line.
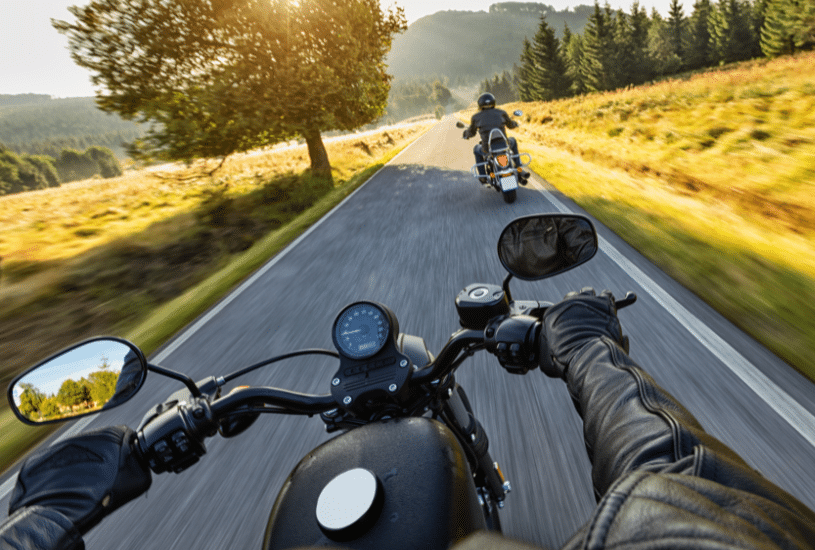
[[544, 245], [517, 113], [97, 374]]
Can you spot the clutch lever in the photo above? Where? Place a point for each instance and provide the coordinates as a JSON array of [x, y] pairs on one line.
[[629, 299]]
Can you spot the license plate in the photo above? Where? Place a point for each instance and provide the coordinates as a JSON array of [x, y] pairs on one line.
[[508, 183]]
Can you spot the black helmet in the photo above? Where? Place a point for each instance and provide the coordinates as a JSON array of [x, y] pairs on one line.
[[486, 101]]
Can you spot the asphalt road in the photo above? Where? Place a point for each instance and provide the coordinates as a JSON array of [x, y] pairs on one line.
[[412, 238]]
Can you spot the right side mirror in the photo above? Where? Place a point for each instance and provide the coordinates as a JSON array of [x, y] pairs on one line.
[[544, 245]]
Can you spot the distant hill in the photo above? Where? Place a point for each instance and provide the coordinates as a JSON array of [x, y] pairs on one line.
[[37, 124], [468, 47]]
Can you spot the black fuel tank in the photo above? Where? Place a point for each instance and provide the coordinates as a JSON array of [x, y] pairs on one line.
[[429, 498]]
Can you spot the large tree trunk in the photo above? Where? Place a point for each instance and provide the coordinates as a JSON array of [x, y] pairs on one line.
[[317, 153]]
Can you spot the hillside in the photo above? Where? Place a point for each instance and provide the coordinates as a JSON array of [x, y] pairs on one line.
[[467, 47], [710, 175], [36, 124]]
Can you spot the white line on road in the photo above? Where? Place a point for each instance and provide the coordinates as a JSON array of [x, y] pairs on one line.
[[780, 401]]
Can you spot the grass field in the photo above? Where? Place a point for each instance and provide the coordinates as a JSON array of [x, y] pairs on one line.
[[142, 255], [712, 177]]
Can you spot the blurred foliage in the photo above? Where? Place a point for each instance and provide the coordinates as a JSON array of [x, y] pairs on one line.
[[30, 172]]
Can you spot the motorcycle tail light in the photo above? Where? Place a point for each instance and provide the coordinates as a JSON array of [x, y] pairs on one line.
[[502, 160]]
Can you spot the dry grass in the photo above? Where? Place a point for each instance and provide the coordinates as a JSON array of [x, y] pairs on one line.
[[711, 176]]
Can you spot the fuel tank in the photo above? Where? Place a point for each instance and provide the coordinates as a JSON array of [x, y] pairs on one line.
[[416, 479]]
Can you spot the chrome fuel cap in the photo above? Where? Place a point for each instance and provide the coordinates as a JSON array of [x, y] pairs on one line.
[[349, 503]]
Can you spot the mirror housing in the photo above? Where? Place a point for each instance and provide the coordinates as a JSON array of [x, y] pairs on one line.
[[543, 245], [518, 112], [83, 379], [459, 124]]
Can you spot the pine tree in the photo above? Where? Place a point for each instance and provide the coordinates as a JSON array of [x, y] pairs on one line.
[[525, 87], [778, 31], [664, 60], [730, 31], [700, 46], [574, 60], [595, 50], [641, 67], [549, 77], [676, 30]]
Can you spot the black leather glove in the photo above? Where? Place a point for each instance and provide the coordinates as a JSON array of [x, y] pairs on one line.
[[84, 477], [579, 319]]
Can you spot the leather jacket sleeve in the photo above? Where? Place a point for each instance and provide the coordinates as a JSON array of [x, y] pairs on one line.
[[38, 528], [659, 476]]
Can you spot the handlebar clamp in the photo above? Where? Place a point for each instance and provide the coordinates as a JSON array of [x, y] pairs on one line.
[[512, 339]]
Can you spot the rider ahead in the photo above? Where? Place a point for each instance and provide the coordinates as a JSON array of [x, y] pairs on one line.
[[486, 119], [660, 480]]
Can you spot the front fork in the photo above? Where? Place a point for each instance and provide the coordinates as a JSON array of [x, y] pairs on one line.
[[475, 438]]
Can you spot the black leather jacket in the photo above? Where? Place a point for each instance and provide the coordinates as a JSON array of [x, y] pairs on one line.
[[660, 479], [486, 120]]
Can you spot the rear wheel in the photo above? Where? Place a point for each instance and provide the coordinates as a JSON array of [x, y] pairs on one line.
[[509, 196]]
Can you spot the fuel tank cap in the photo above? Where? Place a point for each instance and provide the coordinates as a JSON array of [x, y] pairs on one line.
[[349, 504]]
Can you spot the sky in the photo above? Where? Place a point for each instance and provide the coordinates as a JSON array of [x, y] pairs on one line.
[[34, 57]]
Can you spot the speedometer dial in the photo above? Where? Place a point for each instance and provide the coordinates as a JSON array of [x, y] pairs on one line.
[[361, 330]]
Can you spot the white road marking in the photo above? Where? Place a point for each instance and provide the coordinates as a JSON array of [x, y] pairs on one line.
[[780, 401]]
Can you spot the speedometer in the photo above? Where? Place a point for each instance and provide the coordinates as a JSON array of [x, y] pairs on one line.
[[361, 330]]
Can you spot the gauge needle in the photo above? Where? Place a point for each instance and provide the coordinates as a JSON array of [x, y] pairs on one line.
[[352, 332]]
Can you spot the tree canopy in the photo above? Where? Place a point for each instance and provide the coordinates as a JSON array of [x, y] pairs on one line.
[[220, 76]]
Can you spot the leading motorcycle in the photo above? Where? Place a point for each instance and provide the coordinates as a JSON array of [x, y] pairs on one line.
[[501, 167], [410, 467]]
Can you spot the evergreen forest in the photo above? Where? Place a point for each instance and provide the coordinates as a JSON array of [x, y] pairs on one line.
[[618, 49]]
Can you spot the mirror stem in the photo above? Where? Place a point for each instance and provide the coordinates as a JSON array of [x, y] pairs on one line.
[[176, 376], [505, 286]]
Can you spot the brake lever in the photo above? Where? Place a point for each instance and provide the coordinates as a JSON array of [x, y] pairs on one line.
[[629, 299]]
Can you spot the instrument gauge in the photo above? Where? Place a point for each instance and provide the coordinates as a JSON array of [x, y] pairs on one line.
[[361, 330]]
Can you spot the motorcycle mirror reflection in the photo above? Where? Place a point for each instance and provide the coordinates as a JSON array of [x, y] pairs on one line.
[[517, 113], [541, 246], [459, 124], [91, 376]]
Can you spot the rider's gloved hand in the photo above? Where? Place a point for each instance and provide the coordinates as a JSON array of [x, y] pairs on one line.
[[576, 321], [84, 477]]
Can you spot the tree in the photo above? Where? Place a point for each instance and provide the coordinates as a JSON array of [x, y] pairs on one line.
[[31, 399], [546, 68], [676, 30], [665, 61], [102, 385], [700, 46], [71, 393], [789, 26], [214, 77], [574, 61], [106, 161], [593, 64], [730, 31]]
